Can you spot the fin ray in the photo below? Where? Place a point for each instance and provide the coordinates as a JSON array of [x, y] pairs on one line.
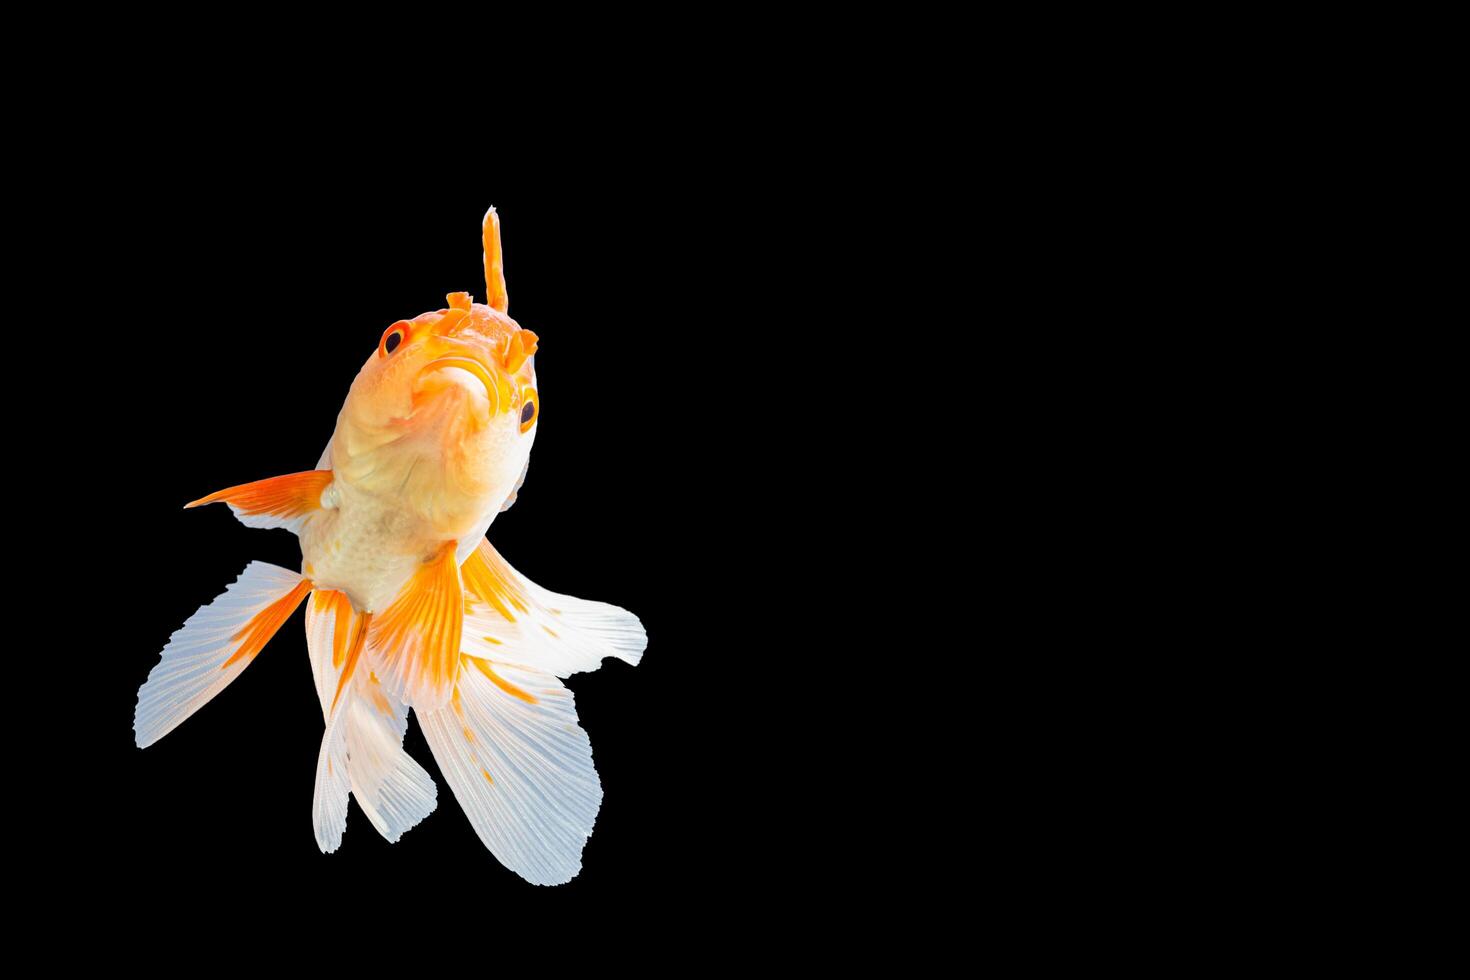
[[213, 646], [414, 644], [520, 769]]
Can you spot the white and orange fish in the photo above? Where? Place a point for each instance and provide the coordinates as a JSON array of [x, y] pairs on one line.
[[408, 605]]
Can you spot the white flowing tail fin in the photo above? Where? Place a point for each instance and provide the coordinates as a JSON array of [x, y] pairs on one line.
[[214, 646], [509, 617], [508, 743]]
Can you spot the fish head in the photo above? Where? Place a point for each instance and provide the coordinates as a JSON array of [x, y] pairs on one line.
[[443, 413]]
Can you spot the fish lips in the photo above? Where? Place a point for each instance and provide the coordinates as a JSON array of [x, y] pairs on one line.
[[472, 366]]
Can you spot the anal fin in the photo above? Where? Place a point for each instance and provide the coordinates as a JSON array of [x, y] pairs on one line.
[[414, 643]]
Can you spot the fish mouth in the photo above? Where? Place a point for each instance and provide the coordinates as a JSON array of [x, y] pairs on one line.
[[472, 367]]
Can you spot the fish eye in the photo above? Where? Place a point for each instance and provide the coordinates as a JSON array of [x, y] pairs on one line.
[[391, 341], [529, 409]]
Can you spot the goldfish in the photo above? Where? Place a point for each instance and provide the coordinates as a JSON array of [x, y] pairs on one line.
[[408, 606]]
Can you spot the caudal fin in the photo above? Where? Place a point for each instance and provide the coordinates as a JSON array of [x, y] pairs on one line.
[[520, 766], [213, 646], [362, 747], [509, 617], [508, 742]]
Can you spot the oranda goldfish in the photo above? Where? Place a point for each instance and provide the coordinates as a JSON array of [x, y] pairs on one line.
[[408, 605]]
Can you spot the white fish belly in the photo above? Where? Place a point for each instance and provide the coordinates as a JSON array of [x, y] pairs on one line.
[[365, 547]]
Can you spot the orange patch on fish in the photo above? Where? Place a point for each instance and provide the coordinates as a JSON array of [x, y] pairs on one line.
[[263, 625], [501, 682], [380, 700]]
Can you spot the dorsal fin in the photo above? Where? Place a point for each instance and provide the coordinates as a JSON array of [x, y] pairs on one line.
[[495, 293]]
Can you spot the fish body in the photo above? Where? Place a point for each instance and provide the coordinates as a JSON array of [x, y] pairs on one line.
[[408, 605], [423, 455]]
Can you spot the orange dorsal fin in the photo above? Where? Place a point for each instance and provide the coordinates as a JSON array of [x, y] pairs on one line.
[[415, 641], [281, 501], [494, 267]]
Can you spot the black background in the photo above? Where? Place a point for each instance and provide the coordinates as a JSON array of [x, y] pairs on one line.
[[239, 286]]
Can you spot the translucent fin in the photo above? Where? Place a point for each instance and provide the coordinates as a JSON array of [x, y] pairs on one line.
[[281, 501], [214, 646], [393, 790], [362, 747], [513, 619], [520, 766], [329, 798], [329, 616]]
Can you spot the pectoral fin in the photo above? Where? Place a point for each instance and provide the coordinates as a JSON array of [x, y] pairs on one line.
[[281, 501]]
